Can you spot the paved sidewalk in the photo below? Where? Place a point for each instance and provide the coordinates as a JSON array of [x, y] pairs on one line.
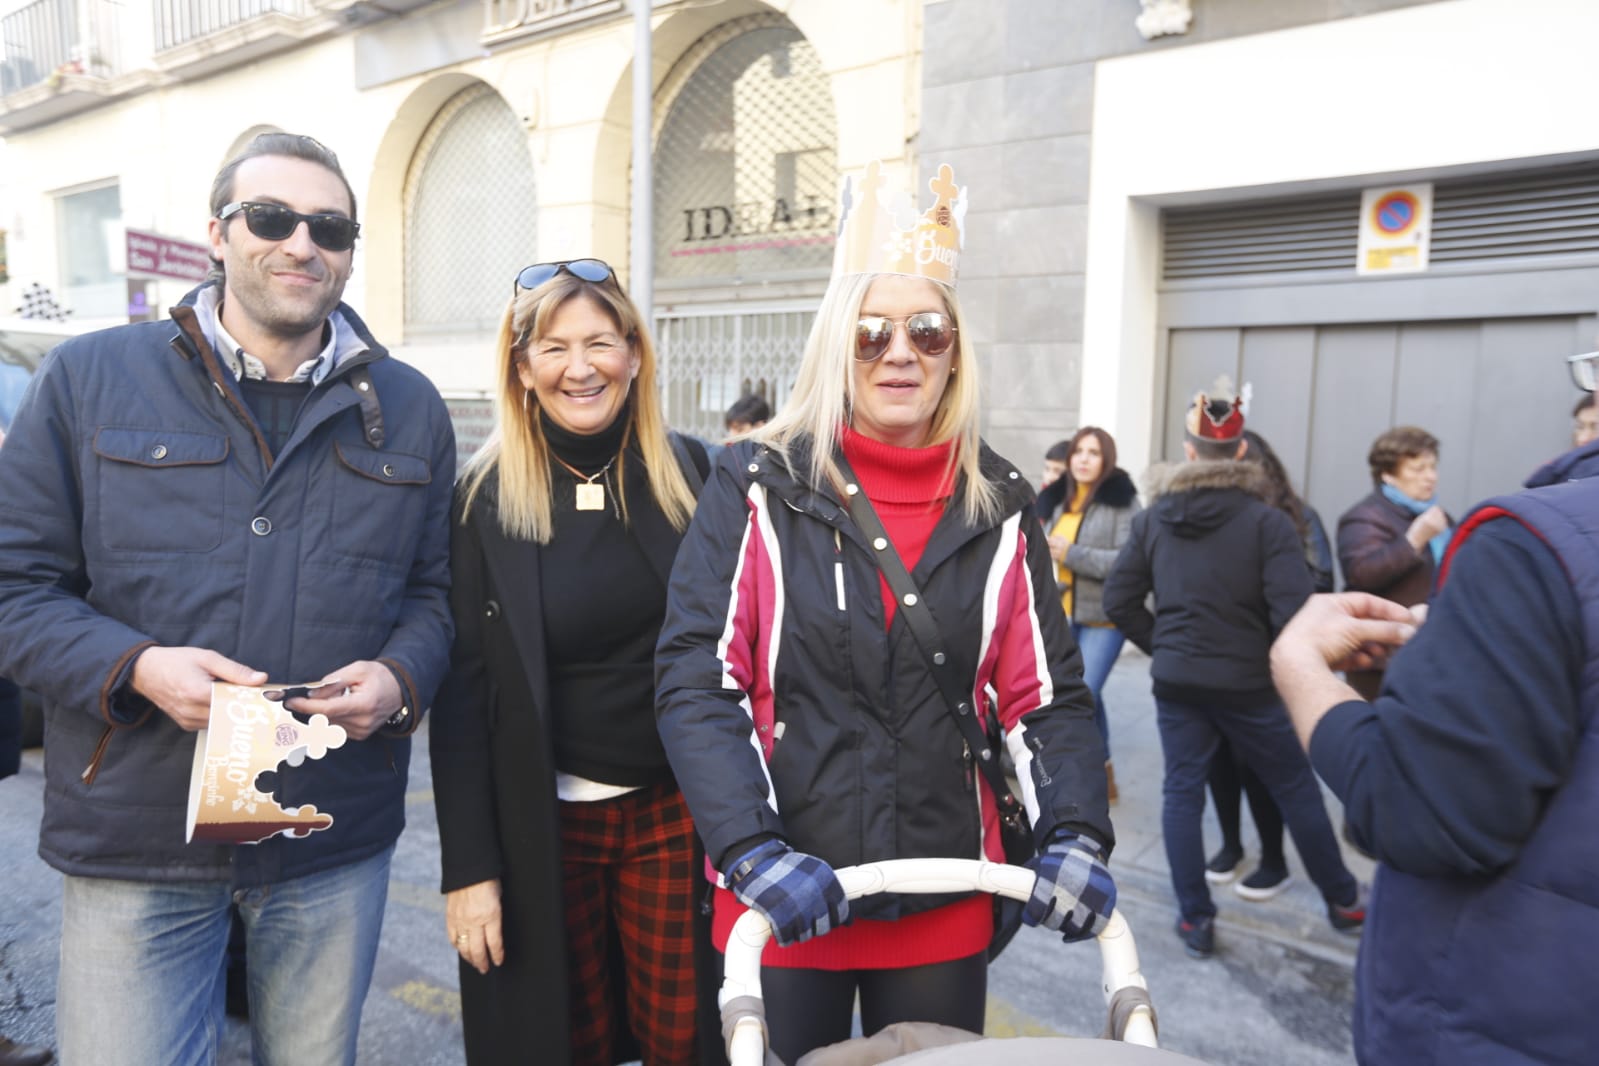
[[1277, 993]]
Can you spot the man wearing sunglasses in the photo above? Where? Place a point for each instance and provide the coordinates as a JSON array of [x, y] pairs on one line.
[[251, 492]]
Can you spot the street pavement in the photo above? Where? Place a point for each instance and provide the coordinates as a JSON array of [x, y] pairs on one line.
[[1277, 992]]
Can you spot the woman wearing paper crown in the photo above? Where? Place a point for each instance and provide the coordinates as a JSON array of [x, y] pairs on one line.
[[568, 855], [807, 717]]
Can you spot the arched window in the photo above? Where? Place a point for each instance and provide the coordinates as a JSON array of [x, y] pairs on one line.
[[470, 216], [746, 159]]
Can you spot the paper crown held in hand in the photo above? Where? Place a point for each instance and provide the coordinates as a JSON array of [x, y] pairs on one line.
[[881, 233]]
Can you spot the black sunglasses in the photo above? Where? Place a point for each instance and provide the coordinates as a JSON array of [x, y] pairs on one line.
[[274, 222], [931, 333], [591, 270]]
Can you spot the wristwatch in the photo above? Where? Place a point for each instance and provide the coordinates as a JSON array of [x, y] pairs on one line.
[[398, 718]]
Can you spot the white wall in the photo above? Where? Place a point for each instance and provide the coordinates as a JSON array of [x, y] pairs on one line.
[[1439, 85]]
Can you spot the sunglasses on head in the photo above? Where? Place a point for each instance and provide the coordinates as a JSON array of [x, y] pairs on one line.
[[592, 270], [930, 332], [274, 222]]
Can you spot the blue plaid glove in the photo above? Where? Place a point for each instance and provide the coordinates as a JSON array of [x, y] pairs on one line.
[[794, 891], [1073, 893]]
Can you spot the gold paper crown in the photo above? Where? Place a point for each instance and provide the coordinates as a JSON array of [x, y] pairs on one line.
[[879, 233], [251, 736]]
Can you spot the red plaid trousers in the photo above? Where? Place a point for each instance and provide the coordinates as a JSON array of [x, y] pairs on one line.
[[627, 867]]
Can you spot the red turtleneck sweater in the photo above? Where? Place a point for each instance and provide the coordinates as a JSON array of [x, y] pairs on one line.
[[909, 488]]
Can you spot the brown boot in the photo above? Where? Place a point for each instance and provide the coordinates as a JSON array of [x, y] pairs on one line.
[[1110, 782]]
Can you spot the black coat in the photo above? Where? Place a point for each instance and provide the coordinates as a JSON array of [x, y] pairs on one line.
[[1227, 570], [494, 788]]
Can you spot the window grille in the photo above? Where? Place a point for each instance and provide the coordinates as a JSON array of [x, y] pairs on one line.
[[708, 360], [470, 218], [746, 159]]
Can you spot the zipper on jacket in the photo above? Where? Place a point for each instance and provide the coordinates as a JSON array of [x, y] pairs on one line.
[[92, 771], [838, 568]]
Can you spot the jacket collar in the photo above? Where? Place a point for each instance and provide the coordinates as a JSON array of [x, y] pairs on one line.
[[779, 477]]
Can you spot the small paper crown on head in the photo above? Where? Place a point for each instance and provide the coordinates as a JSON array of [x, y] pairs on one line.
[[1218, 415], [881, 233]]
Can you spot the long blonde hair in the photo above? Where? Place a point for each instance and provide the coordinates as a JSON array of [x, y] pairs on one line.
[[824, 395], [517, 448]]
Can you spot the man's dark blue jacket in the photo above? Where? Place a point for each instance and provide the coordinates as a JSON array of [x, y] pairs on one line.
[[140, 505], [1475, 779]]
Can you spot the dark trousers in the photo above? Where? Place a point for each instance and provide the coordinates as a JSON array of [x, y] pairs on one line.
[[1263, 738], [1230, 781], [10, 728], [808, 1009]]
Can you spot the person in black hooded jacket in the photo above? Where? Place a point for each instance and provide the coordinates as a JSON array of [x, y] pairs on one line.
[[1228, 572]]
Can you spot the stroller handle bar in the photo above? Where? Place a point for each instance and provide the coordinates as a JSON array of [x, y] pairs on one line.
[[745, 1025]]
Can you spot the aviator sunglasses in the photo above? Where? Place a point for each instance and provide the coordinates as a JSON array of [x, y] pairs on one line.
[[930, 332], [274, 222], [591, 270]]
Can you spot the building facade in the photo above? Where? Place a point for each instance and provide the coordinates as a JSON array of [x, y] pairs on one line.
[[1160, 190], [481, 136], [1189, 204]]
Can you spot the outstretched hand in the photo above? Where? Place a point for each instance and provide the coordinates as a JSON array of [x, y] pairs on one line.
[[1347, 631]]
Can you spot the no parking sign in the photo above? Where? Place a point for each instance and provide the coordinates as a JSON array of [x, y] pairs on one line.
[[1395, 227]]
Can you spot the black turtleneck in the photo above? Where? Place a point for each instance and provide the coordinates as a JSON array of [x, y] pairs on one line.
[[603, 605]]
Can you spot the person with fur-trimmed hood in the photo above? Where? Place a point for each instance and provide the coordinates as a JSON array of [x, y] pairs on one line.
[[1228, 572], [1088, 513]]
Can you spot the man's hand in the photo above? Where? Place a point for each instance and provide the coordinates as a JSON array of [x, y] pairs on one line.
[[178, 680], [472, 918], [360, 697], [1427, 525], [1347, 631]]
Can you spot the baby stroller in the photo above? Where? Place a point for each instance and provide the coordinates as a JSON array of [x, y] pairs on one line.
[[1132, 1017]]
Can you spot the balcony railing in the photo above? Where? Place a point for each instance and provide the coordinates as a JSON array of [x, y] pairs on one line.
[[48, 39], [179, 21]]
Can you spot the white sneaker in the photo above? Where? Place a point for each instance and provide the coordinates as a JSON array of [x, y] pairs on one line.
[[1262, 884]]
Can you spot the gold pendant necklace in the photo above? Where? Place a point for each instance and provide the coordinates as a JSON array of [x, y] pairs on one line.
[[590, 497]]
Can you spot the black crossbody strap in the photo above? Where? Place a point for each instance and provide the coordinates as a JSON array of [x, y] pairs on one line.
[[929, 636]]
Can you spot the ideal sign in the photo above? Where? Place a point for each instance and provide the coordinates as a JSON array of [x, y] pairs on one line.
[[151, 255]]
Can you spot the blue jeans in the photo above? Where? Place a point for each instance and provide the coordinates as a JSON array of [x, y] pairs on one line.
[[1100, 646], [1265, 741], [141, 966]]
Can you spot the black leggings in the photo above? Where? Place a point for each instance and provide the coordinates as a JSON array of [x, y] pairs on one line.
[[808, 1009], [1230, 774]]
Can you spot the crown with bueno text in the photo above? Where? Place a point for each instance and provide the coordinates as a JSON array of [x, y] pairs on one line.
[[880, 232]]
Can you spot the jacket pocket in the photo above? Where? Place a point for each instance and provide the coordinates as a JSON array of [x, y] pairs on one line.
[[380, 504], [160, 490]]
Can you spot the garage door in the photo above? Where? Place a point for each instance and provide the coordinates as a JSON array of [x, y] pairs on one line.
[[1495, 393], [1265, 290]]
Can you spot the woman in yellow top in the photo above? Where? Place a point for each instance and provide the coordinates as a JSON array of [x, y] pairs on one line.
[[1088, 514]]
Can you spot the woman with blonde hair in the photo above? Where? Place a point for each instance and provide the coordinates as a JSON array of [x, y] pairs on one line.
[[568, 853], [804, 718]]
